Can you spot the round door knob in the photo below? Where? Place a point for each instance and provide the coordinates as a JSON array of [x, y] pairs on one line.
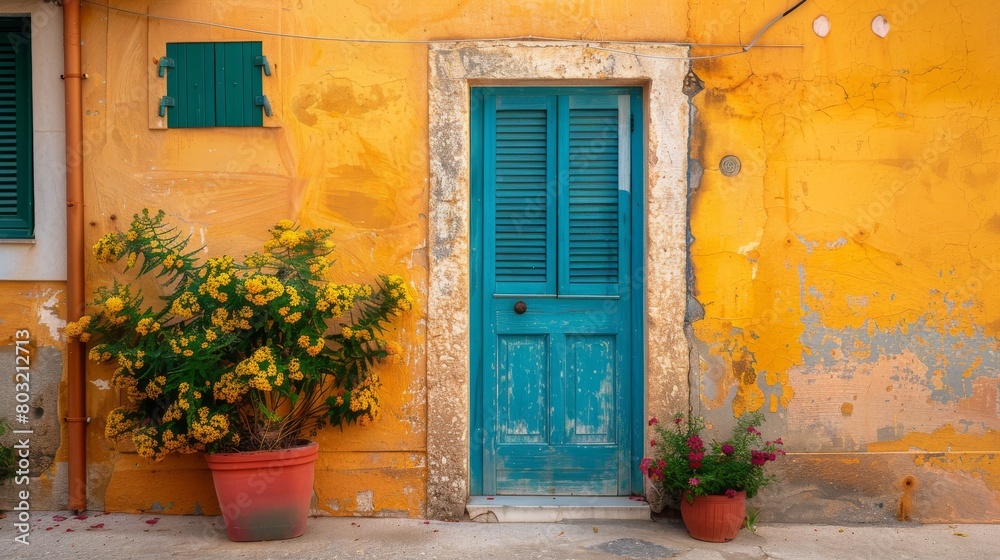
[[520, 307]]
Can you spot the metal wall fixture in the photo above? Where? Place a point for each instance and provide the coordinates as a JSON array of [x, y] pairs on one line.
[[730, 166]]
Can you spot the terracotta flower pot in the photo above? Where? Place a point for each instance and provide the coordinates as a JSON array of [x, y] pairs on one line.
[[714, 518], [265, 495]]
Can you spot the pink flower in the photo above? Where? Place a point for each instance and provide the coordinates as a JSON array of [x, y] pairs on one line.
[[728, 449], [661, 464], [694, 481], [758, 458], [696, 455], [653, 421], [771, 456], [779, 442], [652, 443], [752, 430], [694, 465], [678, 419], [644, 465], [695, 443], [731, 493]]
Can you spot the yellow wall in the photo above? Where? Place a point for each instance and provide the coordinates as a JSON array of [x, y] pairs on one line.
[[844, 276], [846, 273]]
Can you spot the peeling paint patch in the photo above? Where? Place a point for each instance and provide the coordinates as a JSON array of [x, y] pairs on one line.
[[837, 243], [100, 384], [951, 353], [887, 400], [48, 314], [808, 244], [365, 501]]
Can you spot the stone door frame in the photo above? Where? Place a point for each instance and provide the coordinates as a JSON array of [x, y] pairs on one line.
[[453, 69]]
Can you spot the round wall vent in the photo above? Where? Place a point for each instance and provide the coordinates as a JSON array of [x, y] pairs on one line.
[[730, 166]]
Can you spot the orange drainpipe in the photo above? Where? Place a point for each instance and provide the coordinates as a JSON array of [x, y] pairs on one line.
[[76, 417]]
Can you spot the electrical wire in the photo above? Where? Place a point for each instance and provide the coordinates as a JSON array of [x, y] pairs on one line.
[[770, 23], [745, 48], [585, 43]]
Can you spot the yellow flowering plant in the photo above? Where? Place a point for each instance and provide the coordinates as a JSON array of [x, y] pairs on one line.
[[237, 356]]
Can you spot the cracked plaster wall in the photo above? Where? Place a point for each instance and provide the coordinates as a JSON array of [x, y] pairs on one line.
[[845, 274], [841, 282], [346, 150]]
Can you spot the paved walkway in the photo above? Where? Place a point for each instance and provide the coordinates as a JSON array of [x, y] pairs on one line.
[[112, 536]]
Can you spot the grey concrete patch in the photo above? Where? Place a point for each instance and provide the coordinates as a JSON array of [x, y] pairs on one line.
[[636, 548], [42, 419]]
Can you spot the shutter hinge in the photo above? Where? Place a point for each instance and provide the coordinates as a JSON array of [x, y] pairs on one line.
[[164, 64], [631, 123], [263, 101], [165, 102], [262, 61]]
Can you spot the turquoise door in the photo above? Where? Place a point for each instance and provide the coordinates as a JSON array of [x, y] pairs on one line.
[[555, 279]]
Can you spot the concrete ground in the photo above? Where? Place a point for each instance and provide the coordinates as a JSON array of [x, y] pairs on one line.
[[112, 536]]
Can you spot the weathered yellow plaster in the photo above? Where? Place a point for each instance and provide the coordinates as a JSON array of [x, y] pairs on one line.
[[345, 150], [858, 193], [845, 274], [853, 256], [950, 450]]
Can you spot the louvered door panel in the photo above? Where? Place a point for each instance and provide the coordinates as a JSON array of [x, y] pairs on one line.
[[521, 169], [594, 210]]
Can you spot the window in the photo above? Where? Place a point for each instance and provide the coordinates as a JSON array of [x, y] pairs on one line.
[[214, 84], [17, 219]]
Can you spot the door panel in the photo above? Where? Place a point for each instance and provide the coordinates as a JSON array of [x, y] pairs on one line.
[[522, 393], [590, 388], [556, 221]]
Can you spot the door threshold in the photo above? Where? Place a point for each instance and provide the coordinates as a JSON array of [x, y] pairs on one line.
[[553, 509]]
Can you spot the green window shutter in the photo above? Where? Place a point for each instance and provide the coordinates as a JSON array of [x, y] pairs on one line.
[[214, 84], [191, 83], [238, 84], [16, 181], [520, 170]]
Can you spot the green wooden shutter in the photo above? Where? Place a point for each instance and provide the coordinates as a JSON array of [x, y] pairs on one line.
[[520, 167], [16, 182], [238, 83], [191, 83], [214, 84]]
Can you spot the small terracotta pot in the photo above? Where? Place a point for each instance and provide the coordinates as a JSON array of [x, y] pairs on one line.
[[714, 518], [264, 495]]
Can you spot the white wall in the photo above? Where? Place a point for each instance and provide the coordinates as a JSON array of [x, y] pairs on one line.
[[45, 257]]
